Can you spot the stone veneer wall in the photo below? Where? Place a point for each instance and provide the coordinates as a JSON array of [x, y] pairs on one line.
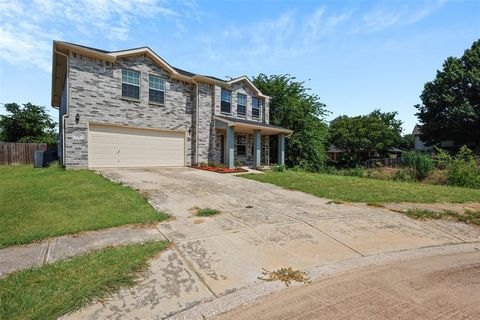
[[95, 95], [241, 87], [246, 159], [206, 132]]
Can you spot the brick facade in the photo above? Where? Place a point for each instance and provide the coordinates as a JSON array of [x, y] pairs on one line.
[[95, 96]]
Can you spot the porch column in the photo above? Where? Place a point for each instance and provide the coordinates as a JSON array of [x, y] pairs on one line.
[[281, 148], [230, 145], [257, 148]]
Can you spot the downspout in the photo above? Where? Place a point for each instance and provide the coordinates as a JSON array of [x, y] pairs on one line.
[[197, 103], [67, 97]]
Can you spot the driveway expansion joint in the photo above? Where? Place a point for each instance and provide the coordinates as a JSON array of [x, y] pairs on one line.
[[194, 270], [331, 237]]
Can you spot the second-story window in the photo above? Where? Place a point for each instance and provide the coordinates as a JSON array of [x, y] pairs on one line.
[[156, 89], [130, 84], [241, 104], [225, 106], [255, 108]]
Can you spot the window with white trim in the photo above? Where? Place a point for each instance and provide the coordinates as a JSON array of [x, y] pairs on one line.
[[225, 105], [156, 89], [241, 104], [130, 84], [255, 107]]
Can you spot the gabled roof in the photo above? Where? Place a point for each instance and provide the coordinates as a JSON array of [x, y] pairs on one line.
[[59, 66], [417, 130], [247, 81]]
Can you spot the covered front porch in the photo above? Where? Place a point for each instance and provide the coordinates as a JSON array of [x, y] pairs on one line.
[[246, 142]]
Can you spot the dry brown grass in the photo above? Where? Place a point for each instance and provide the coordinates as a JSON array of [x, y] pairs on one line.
[[286, 275]]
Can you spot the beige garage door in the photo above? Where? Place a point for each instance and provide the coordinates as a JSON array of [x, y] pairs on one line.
[[112, 146]]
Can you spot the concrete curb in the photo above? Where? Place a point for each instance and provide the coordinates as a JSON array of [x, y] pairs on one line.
[[250, 294]]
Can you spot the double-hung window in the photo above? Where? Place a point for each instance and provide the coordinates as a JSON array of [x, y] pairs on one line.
[[241, 104], [255, 107], [241, 145], [130, 84], [225, 105], [156, 89]]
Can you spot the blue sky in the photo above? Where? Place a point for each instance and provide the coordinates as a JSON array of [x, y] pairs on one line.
[[357, 55]]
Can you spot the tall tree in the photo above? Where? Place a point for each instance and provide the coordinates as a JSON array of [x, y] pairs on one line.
[[29, 123], [293, 106], [407, 142], [450, 108], [377, 131]]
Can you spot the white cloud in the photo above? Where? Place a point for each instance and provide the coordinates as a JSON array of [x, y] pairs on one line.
[[28, 28], [384, 18], [319, 24]]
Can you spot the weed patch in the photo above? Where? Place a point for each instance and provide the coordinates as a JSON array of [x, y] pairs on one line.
[[286, 275], [469, 217], [207, 212]]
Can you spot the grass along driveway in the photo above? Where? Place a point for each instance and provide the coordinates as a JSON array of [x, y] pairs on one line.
[[40, 203], [356, 189], [53, 290]]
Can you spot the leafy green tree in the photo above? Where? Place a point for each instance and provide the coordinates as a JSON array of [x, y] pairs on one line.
[[407, 142], [294, 107], [450, 108], [377, 131], [29, 123]]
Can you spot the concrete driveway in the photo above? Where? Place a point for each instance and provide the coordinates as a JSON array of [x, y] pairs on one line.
[[261, 226]]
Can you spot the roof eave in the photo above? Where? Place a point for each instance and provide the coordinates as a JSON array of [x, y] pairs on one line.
[[231, 122], [247, 79]]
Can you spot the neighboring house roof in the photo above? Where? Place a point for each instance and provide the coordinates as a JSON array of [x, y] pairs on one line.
[[60, 48], [253, 124], [417, 130]]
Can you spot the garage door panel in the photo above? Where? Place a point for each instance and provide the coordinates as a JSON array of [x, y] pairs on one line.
[[111, 146]]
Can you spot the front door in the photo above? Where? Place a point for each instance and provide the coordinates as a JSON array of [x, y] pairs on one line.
[[222, 149]]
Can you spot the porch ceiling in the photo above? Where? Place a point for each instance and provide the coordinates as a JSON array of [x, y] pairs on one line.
[[248, 126]]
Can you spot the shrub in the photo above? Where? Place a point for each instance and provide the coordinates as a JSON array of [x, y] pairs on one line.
[[420, 164], [55, 164], [203, 164], [354, 172], [212, 164], [279, 168], [329, 170], [403, 175], [238, 163], [463, 170], [442, 159]]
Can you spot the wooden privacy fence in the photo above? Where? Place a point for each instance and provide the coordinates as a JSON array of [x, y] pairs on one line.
[[15, 153]]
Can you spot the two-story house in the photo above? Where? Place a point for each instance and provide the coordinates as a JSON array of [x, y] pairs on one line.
[[131, 108]]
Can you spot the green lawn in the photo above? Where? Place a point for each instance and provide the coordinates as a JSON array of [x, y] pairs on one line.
[[53, 290], [355, 189], [40, 203]]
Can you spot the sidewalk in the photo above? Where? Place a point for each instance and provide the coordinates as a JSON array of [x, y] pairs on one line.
[[36, 254]]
